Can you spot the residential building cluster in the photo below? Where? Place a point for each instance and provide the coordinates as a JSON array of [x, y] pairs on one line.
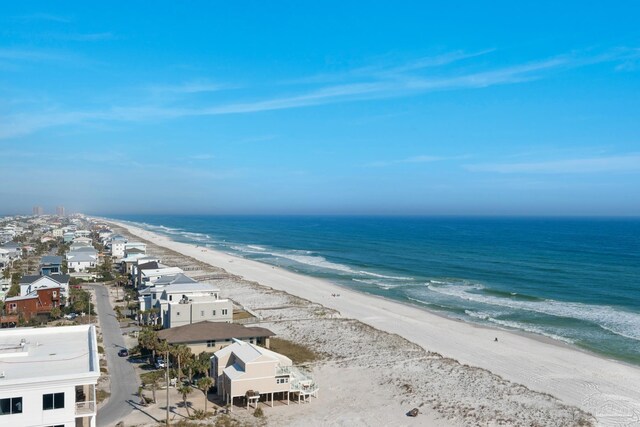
[[194, 314], [54, 384], [38, 265]]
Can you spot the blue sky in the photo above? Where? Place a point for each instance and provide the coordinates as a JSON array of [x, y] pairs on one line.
[[321, 108]]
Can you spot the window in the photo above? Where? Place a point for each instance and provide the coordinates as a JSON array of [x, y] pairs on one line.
[[224, 311], [214, 313], [153, 295], [11, 405], [211, 343], [52, 401], [177, 313], [55, 294], [170, 297], [282, 380]]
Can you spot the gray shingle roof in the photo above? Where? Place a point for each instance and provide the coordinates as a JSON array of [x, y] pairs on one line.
[[60, 278], [51, 259], [174, 279]]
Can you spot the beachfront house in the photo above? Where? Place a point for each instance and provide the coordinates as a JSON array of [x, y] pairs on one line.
[[179, 300], [149, 272], [116, 245], [141, 261], [54, 382], [251, 373], [104, 234], [134, 248], [149, 296], [212, 336], [50, 264], [127, 263], [187, 303]]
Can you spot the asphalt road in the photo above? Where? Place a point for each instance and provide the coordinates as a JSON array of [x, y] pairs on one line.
[[124, 380]]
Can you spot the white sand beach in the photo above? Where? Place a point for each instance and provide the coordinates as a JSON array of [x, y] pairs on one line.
[[607, 389]]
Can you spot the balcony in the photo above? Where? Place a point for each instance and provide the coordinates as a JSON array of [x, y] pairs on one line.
[[85, 408], [85, 400]]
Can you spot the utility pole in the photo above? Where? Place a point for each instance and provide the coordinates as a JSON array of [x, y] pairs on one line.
[[166, 367]]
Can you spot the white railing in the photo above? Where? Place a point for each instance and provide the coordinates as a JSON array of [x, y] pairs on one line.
[[84, 408], [283, 370], [305, 388]]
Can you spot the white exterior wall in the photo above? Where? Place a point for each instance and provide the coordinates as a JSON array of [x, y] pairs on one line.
[[26, 288], [198, 311], [55, 376], [117, 249], [80, 266], [136, 245], [32, 412]]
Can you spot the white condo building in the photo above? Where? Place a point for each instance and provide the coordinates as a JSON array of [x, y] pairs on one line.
[[48, 376]]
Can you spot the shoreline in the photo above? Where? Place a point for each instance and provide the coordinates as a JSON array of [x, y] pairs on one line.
[[525, 334], [604, 387]]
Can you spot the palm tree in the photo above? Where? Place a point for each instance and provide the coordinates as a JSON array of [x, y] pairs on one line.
[[142, 401], [189, 365], [204, 385], [148, 339], [203, 363], [185, 390], [157, 376], [180, 353]]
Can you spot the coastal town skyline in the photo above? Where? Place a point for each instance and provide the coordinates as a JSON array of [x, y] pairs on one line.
[[403, 109]]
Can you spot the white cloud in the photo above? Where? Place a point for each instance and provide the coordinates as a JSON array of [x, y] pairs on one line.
[[202, 157], [621, 163], [413, 159], [374, 83], [189, 87]]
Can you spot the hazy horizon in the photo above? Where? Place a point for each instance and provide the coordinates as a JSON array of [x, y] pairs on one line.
[[399, 109]]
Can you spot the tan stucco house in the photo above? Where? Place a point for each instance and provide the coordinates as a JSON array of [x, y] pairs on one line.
[[247, 371]]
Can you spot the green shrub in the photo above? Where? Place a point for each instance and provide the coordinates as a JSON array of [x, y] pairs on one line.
[[258, 413]]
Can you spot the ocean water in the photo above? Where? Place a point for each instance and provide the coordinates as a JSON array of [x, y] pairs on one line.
[[572, 280]]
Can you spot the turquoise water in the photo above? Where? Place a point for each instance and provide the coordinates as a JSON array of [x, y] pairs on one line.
[[573, 280]]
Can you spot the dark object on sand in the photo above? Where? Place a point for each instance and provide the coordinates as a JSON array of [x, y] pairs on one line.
[[496, 339], [413, 413]]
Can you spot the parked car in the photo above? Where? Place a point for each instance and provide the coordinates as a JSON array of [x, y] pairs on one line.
[[160, 363], [123, 352], [71, 316]]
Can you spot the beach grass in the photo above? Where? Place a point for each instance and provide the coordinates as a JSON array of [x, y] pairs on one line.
[[298, 353]]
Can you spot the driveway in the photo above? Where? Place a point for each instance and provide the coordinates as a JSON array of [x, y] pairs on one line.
[[124, 380]]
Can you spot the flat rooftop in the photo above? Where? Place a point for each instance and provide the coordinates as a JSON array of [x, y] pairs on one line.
[[45, 354]]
